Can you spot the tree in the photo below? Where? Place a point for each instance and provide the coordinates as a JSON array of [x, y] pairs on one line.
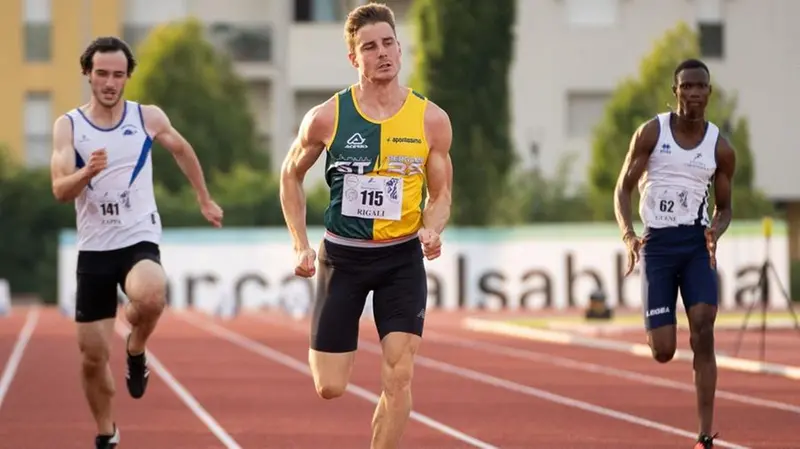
[[463, 52], [639, 99], [184, 75]]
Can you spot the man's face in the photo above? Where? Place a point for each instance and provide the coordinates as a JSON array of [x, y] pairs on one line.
[[376, 52], [108, 77], [692, 91]]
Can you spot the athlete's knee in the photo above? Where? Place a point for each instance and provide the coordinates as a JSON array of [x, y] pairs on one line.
[[94, 354], [331, 372], [663, 344], [701, 326]]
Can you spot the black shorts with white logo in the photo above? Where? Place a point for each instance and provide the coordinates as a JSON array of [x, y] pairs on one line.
[[100, 272], [396, 276]]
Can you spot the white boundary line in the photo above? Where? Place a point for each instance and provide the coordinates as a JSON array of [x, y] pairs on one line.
[[292, 363], [15, 358], [564, 362], [184, 394], [637, 349], [531, 391], [548, 396]]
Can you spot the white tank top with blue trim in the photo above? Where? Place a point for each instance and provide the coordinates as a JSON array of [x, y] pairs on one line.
[[675, 186], [118, 207]]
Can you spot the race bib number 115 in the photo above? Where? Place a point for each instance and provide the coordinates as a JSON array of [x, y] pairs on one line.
[[376, 197]]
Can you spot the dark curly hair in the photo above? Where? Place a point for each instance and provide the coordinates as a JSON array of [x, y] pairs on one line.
[[106, 44]]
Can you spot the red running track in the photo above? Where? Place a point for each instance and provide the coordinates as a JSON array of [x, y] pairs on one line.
[[245, 382]]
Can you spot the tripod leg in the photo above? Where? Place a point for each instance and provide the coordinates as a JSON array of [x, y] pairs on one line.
[[747, 317], [786, 296]]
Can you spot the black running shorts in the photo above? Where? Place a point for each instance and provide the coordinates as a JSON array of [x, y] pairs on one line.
[[396, 276], [100, 272]]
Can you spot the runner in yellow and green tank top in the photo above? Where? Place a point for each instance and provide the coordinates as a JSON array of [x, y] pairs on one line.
[[376, 171]]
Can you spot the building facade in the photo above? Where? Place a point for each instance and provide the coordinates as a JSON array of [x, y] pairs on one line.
[[570, 55]]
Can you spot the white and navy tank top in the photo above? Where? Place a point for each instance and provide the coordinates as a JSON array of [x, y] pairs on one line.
[[675, 186], [118, 207]]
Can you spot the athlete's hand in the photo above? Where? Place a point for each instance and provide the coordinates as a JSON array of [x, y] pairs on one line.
[[711, 246], [431, 243], [634, 245], [304, 266], [98, 161], [212, 212]]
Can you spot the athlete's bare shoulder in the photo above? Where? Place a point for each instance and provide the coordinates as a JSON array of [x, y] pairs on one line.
[[438, 129], [319, 123], [155, 119], [646, 135]]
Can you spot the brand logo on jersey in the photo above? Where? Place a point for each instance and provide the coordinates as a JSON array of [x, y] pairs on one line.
[[356, 141], [697, 162], [404, 165], [129, 130], [356, 165], [415, 140], [666, 149]]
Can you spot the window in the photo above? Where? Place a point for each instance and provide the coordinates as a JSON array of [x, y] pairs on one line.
[[592, 13], [37, 28], [244, 43], [324, 10], [712, 39], [584, 111], [38, 128]]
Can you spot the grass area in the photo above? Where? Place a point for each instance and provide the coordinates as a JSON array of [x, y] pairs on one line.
[[636, 319]]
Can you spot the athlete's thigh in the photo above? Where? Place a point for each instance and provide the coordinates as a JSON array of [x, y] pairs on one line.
[[699, 283], [342, 288], [400, 297], [143, 278], [660, 283], [97, 279]]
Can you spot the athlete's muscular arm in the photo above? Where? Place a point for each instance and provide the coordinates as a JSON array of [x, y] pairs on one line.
[[439, 169], [315, 129], [723, 186], [68, 181], [642, 143], [161, 130]]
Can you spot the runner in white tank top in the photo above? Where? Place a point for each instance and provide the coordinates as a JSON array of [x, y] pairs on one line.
[[118, 207], [101, 160], [674, 158]]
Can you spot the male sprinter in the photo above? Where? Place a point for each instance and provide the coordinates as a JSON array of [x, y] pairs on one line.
[[101, 160], [678, 155], [384, 142]]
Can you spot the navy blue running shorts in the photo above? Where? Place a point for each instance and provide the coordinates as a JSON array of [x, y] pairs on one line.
[[675, 259]]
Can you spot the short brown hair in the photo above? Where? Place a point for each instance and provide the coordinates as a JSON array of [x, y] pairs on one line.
[[366, 15]]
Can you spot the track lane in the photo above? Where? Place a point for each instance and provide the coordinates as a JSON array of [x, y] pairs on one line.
[[499, 416], [45, 406]]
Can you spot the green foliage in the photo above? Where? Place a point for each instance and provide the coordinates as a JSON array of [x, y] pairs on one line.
[[206, 101], [536, 198], [30, 219], [637, 100], [248, 197], [464, 50]]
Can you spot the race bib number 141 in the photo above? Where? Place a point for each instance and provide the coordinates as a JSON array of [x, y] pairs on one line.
[[373, 197]]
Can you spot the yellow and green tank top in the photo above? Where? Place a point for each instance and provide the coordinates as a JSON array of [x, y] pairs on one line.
[[376, 171]]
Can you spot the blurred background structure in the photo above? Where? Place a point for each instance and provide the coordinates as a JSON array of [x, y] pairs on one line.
[[544, 96]]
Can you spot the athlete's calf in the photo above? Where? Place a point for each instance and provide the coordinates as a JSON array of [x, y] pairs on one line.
[[394, 407], [94, 341]]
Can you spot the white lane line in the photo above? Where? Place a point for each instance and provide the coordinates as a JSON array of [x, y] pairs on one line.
[[184, 395], [563, 362], [292, 363], [531, 391], [15, 358]]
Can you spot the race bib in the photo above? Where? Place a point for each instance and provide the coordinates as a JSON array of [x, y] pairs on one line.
[[376, 197], [112, 207], [670, 205]]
